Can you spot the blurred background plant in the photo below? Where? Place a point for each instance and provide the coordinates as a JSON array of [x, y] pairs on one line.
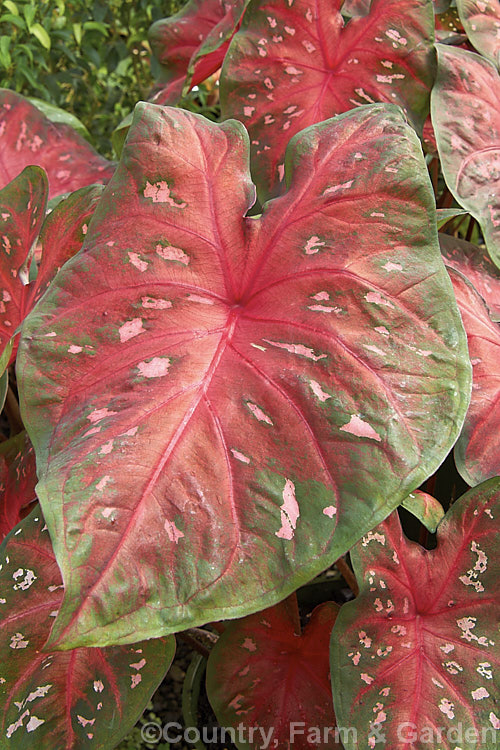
[[90, 59]]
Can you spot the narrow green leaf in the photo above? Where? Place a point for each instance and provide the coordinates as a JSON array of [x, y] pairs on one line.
[[15, 20], [12, 7], [29, 12], [102, 28], [5, 58], [41, 34], [77, 32]]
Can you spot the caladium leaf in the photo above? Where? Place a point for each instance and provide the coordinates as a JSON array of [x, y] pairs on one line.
[[289, 67], [477, 452], [426, 508], [466, 118], [265, 673], [481, 20], [474, 263], [62, 235], [28, 137], [24, 234], [17, 480], [85, 698], [60, 116], [191, 45], [417, 650], [22, 211], [208, 386]]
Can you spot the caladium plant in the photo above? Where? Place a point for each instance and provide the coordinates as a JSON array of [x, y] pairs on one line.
[[225, 397]]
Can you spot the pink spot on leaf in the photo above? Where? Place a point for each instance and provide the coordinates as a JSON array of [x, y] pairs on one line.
[[156, 367], [289, 512], [174, 534], [159, 192], [358, 427], [130, 329]]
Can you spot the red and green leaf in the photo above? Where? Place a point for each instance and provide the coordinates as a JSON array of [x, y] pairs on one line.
[[28, 137], [475, 264], [26, 238], [466, 119], [418, 648], [17, 481], [481, 20], [69, 700], [62, 235], [233, 401], [191, 45], [291, 65], [477, 452], [22, 211], [265, 673]]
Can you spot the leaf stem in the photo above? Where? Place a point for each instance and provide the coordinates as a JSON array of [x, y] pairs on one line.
[[194, 638], [347, 574]]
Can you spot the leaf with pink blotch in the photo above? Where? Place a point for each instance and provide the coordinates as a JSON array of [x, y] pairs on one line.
[[418, 648], [291, 65], [190, 46], [70, 700], [266, 672], [466, 120], [28, 137]]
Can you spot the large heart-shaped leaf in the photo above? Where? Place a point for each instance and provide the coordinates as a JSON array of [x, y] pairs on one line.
[[230, 402], [265, 674], [85, 698], [17, 480], [477, 453], [466, 119], [476, 266], [294, 64], [418, 649], [26, 237], [481, 20], [191, 45], [28, 137]]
